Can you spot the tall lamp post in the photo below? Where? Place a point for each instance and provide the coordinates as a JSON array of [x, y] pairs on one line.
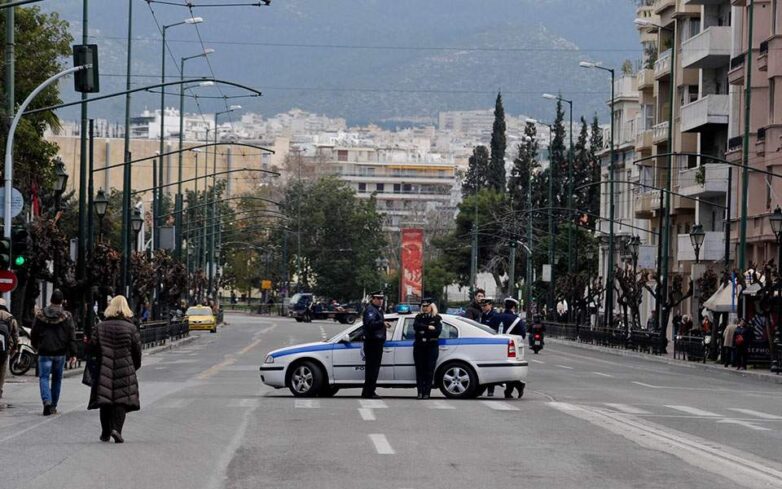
[[609, 305], [136, 222], [697, 236], [101, 203], [776, 226]]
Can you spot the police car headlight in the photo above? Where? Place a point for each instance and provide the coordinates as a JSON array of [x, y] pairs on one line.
[[269, 359]]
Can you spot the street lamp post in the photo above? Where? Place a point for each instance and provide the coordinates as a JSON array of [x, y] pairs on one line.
[[136, 222], [776, 226], [696, 239], [101, 204]]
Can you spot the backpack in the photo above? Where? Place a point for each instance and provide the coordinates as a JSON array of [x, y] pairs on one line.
[[739, 340], [5, 335]]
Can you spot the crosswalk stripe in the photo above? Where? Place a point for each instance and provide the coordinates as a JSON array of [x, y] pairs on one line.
[[500, 406], [692, 410], [745, 424], [366, 414], [381, 444], [307, 403], [756, 414], [439, 405], [372, 404], [626, 409]]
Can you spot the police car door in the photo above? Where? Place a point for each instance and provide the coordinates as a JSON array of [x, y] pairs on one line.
[[404, 365], [348, 359]]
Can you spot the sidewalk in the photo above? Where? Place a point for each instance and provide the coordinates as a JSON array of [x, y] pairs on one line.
[[759, 375]]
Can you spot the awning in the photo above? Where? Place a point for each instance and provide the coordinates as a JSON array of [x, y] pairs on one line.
[[721, 301]]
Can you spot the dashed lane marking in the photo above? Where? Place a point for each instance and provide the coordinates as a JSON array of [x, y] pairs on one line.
[[756, 414], [692, 410], [500, 406], [745, 424], [601, 374], [244, 403], [650, 386], [565, 366], [439, 405], [307, 403], [624, 408], [373, 404], [381, 444], [537, 361], [367, 414]]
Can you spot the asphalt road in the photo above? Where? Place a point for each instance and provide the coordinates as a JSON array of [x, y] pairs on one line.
[[588, 419]]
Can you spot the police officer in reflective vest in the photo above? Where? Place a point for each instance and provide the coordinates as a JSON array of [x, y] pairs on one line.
[[428, 326], [374, 338]]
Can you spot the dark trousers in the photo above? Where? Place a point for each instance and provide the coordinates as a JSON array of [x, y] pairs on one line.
[[373, 356], [425, 358], [727, 355], [111, 418], [741, 357]]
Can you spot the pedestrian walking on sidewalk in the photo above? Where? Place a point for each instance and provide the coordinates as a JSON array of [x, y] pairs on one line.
[[117, 345], [428, 326], [54, 337], [9, 340], [727, 343], [741, 341]]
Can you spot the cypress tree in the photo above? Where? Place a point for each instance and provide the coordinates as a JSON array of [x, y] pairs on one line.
[[524, 165], [582, 170], [558, 159], [496, 174], [595, 144]]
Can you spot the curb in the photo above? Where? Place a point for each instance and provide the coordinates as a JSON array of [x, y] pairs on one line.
[[149, 351], [747, 374]]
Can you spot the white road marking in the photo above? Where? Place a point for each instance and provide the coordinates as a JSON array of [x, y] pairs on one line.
[[745, 424], [307, 403], [244, 403], [439, 405], [175, 403], [536, 361], [648, 385], [381, 444], [692, 410], [626, 409], [565, 366], [756, 414], [372, 404], [367, 414], [500, 406], [603, 375], [323, 334]]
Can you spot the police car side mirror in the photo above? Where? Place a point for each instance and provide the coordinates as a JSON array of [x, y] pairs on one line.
[[345, 338]]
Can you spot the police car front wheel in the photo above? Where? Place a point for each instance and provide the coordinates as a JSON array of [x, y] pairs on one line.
[[458, 381], [305, 380]]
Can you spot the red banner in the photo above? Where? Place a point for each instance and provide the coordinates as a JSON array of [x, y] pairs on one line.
[[412, 279]]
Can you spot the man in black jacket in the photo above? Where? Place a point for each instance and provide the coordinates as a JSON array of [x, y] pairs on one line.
[[374, 338], [474, 310], [53, 336]]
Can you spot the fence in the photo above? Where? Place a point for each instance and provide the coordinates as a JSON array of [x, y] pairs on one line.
[[156, 333], [635, 340]]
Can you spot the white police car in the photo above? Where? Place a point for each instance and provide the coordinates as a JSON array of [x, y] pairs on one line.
[[472, 357]]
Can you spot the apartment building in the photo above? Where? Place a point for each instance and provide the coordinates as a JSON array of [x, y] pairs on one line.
[[410, 185], [765, 121]]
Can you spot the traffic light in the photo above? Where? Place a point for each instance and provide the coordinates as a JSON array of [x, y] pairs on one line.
[[18, 246], [86, 80], [5, 254]]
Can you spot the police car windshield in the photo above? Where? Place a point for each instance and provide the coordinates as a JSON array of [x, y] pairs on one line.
[[478, 325]]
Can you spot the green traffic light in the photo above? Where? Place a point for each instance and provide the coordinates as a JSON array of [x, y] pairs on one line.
[[19, 261]]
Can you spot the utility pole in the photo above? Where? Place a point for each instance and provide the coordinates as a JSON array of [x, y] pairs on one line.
[[528, 279], [126, 184], [474, 250], [83, 211], [745, 171]]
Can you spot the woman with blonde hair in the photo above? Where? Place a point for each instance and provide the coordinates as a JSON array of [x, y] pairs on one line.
[[428, 326], [117, 345]]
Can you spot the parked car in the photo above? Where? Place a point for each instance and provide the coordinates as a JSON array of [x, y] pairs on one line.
[[472, 357], [201, 318], [304, 307]]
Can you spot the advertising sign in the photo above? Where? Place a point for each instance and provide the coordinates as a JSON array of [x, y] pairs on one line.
[[412, 277]]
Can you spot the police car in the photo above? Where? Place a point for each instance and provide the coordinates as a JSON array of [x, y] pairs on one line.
[[472, 357]]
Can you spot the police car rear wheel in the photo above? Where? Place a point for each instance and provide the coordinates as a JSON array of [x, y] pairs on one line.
[[305, 380], [458, 381]]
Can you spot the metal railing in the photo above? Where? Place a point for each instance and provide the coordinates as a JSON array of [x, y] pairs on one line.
[[157, 333], [636, 340]]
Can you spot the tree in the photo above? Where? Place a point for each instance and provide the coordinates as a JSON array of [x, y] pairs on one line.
[[477, 172], [341, 239], [524, 166], [592, 203], [582, 172], [496, 174], [558, 163]]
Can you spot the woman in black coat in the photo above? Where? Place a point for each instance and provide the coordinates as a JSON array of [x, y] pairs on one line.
[[117, 345], [428, 326]]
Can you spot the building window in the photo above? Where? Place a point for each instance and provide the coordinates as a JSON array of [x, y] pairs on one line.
[[381, 187], [397, 188], [342, 155], [362, 188], [772, 86]]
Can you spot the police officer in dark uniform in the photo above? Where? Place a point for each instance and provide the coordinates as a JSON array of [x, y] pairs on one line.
[[492, 319], [374, 338], [512, 324], [428, 326]]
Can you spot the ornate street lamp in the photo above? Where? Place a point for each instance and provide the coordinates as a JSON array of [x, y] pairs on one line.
[[61, 176], [101, 203], [697, 236], [135, 223]]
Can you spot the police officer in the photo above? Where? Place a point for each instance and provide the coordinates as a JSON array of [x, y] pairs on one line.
[[374, 338], [428, 326], [512, 324], [492, 319]]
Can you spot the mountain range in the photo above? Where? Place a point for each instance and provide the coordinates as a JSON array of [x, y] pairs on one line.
[[369, 60]]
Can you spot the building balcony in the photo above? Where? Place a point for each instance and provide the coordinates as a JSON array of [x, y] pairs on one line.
[[643, 140], [703, 2], [705, 112], [710, 49], [763, 56], [647, 204], [660, 6], [712, 249], [627, 134], [736, 73], [626, 87], [406, 196], [645, 79], [705, 181], [680, 203], [660, 133], [662, 67]]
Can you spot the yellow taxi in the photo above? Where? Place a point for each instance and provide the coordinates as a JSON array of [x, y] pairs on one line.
[[201, 318]]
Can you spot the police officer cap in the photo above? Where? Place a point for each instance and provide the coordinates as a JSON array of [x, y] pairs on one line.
[[487, 300], [426, 301], [378, 294], [511, 300]]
